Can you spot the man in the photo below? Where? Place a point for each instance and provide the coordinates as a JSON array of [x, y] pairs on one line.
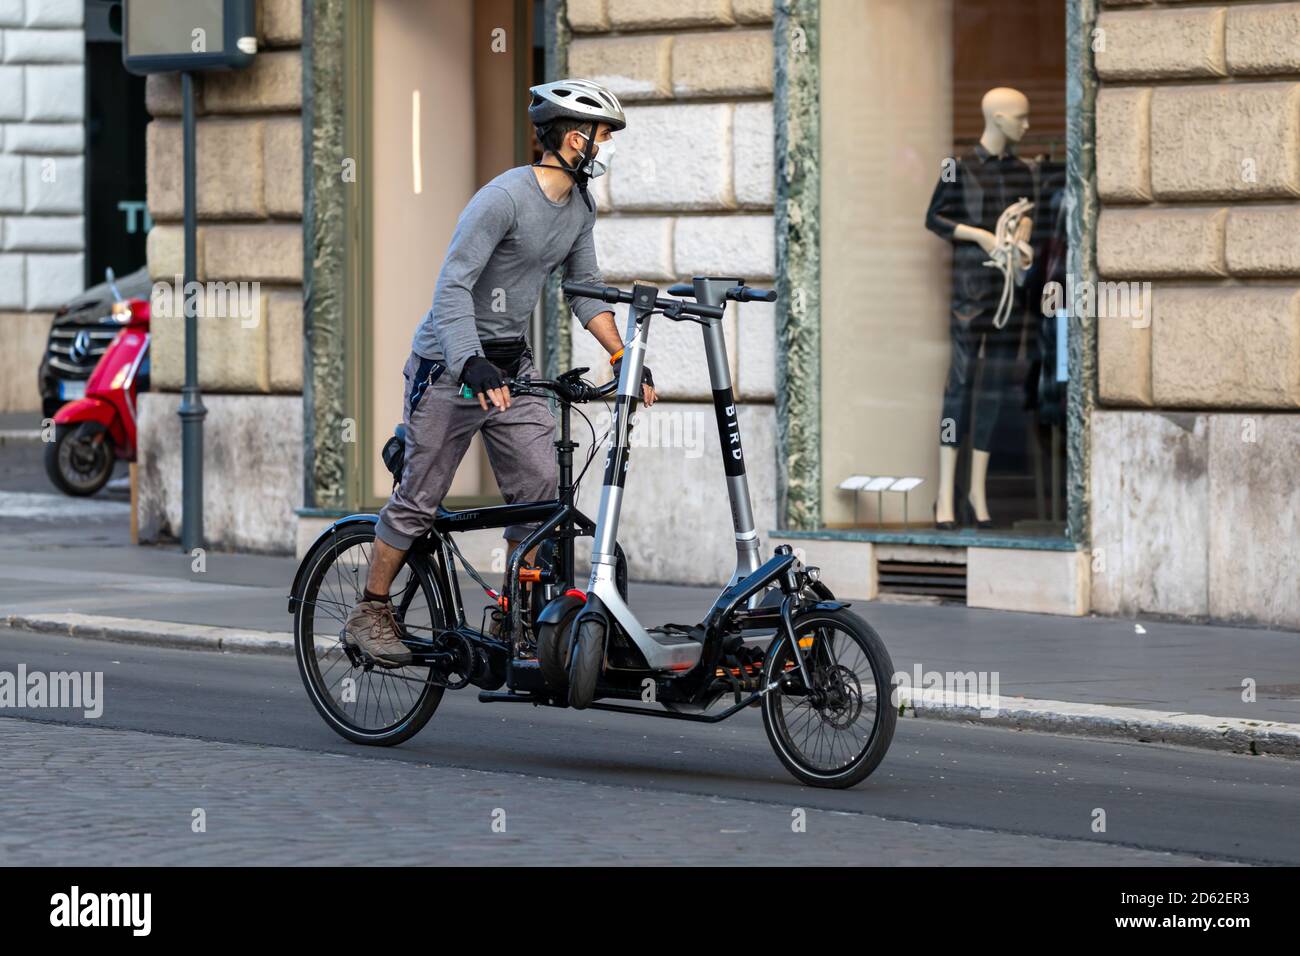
[[514, 232]]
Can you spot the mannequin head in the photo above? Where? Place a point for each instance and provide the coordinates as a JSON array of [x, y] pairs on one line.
[[1006, 118]]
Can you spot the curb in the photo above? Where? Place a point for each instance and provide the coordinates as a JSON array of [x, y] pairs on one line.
[[1235, 734], [25, 436], [125, 630]]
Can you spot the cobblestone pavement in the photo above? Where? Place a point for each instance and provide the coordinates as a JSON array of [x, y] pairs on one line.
[[76, 795]]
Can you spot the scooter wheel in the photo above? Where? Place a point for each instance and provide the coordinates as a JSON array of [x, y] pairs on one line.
[[586, 657], [553, 651], [80, 460]]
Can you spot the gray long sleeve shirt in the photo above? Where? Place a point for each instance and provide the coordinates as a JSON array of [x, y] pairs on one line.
[[507, 241]]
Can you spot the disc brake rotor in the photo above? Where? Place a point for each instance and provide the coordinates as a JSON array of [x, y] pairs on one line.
[[840, 696]]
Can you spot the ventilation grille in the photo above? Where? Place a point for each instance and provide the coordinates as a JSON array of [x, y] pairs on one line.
[[946, 581]]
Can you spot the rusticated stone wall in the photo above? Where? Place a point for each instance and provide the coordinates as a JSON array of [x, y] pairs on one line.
[[691, 192], [1196, 443], [250, 210]]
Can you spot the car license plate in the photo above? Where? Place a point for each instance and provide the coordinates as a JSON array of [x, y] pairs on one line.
[[70, 390]]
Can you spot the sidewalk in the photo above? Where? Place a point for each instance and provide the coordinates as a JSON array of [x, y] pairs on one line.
[[1147, 680]]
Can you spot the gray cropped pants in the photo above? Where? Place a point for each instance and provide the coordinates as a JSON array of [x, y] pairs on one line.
[[439, 427]]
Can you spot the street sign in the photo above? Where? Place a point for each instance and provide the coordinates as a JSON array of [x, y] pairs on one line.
[[169, 36]]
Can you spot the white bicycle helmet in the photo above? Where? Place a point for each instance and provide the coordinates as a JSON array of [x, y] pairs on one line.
[[574, 99]]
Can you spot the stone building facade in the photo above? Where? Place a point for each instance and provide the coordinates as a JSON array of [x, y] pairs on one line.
[[42, 169], [250, 201], [1183, 171], [692, 194], [1196, 437]]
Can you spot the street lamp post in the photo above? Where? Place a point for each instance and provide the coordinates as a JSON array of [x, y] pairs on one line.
[[185, 36], [191, 411]]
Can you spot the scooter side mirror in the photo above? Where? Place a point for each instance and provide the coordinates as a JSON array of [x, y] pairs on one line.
[[111, 278]]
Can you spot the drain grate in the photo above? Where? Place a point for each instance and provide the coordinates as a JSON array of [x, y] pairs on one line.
[[946, 581]]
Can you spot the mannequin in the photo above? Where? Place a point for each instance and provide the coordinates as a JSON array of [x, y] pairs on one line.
[[965, 210]]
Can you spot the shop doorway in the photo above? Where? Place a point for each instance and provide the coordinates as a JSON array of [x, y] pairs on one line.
[[445, 86], [117, 216]]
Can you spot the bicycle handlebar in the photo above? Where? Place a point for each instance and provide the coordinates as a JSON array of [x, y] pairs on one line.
[[570, 391], [670, 307]]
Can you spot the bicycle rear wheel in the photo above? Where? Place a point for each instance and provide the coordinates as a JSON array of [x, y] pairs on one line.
[[363, 703], [835, 733]]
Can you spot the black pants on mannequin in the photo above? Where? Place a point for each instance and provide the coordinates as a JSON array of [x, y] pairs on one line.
[[1000, 347]]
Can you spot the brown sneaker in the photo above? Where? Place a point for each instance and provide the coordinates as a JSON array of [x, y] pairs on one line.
[[372, 627]]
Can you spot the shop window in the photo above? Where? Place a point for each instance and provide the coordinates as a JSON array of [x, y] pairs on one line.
[[938, 118]]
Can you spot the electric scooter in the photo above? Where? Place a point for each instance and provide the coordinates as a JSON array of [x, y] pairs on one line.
[[775, 637], [93, 432]]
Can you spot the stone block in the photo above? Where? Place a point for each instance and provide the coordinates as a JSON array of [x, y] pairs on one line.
[[633, 68], [282, 167], [1254, 548], [54, 94], [753, 155], [756, 351], [1263, 39], [269, 252], [229, 168], [44, 234], [55, 13], [1149, 510], [13, 281], [1161, 44], [165, 250], [1226, 347], [12, 197], [53, 278], [1042, 582], [1158, 243], [1124, 144], [663, 14], [252, 477], [45, 139], [1263, 240], [272, 84], [12, 93], [647, 175], [731, 63], [587, 16], [54, 184], [1225, 141], [635, 247], [283, 311], [44, 46], [279, 22], [24, 335], [743, 246]]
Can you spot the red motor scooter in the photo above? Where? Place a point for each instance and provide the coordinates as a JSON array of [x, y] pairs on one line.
[[93, 432]]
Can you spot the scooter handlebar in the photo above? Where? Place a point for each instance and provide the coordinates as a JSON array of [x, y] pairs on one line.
[[610, 294]]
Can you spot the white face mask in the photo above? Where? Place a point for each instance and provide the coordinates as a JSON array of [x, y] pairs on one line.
[[599, 166]]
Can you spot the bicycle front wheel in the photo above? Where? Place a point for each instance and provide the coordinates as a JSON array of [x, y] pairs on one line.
[[363, 703], [835, 732]]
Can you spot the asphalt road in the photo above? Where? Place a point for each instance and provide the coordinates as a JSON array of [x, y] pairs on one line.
[[978, 794]]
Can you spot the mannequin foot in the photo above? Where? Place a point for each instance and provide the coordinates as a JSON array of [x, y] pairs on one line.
[[973, 516], [946, 525]]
